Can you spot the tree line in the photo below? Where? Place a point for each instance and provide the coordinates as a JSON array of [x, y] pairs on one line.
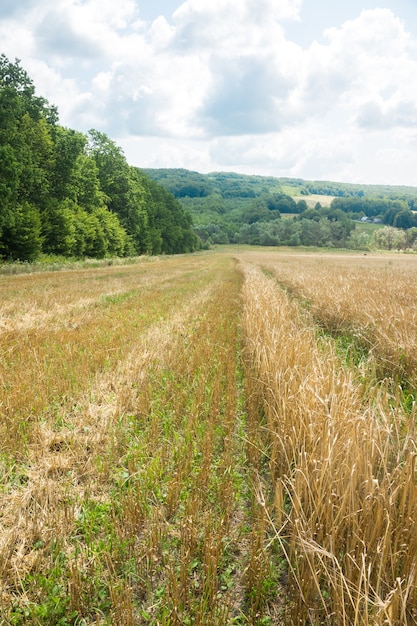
[[67, 193], [397, 212]]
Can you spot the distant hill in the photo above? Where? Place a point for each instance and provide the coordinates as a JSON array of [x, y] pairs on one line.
[[187, 183], [228, 207]]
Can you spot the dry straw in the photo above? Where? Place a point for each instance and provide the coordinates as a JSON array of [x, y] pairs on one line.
[[343, 467]]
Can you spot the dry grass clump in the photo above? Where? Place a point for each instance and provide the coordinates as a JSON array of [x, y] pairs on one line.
[[340, 487]]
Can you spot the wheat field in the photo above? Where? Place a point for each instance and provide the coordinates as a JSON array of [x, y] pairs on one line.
[[212, 439]]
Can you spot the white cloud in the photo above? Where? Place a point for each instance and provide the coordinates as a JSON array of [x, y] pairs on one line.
[[219, 83], [115, 15], [363, 61], [380, 114], [249, 62], [168, 152], [10, 8], [228, 26], [161, 34]]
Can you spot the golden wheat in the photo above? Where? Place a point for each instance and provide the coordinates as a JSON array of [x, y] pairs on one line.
[[343, 467], [371, 297]]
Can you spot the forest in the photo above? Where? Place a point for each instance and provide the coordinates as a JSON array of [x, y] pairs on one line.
[[72, 194], [227, 207]]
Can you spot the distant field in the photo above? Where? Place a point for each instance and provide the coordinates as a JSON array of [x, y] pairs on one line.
[[220, 438], [312, 200]]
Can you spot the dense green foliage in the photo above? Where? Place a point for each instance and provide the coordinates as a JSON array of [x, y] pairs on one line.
[[342, 190], [236, 208], [393, 212], [71, 194]]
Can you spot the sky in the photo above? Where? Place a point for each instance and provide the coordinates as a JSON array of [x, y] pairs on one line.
[[309, 89]]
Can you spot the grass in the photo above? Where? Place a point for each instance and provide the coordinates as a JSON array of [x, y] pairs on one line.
[[134, 498], [368, 227], [371, 299], [209, 439], [56, 263]]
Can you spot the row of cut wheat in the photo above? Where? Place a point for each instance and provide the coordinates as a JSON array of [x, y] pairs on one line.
[[130, 501]]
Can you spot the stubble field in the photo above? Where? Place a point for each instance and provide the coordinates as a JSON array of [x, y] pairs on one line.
[[212, 439]]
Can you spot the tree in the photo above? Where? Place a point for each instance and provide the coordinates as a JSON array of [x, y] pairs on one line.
[[25, 159], [35, 150], [258, 212], [358, 240], [404, 219], [69, 146], [117, 242], [59, 228], [17, 97], [301, 206], [170, 226], [411, 237], [22, 239], [64, 192], [283, 204], [10, 172], [123, 188], [389, 238], [87, 184]]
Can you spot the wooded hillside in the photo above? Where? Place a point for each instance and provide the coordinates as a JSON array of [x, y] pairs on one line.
[[235, 208]]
